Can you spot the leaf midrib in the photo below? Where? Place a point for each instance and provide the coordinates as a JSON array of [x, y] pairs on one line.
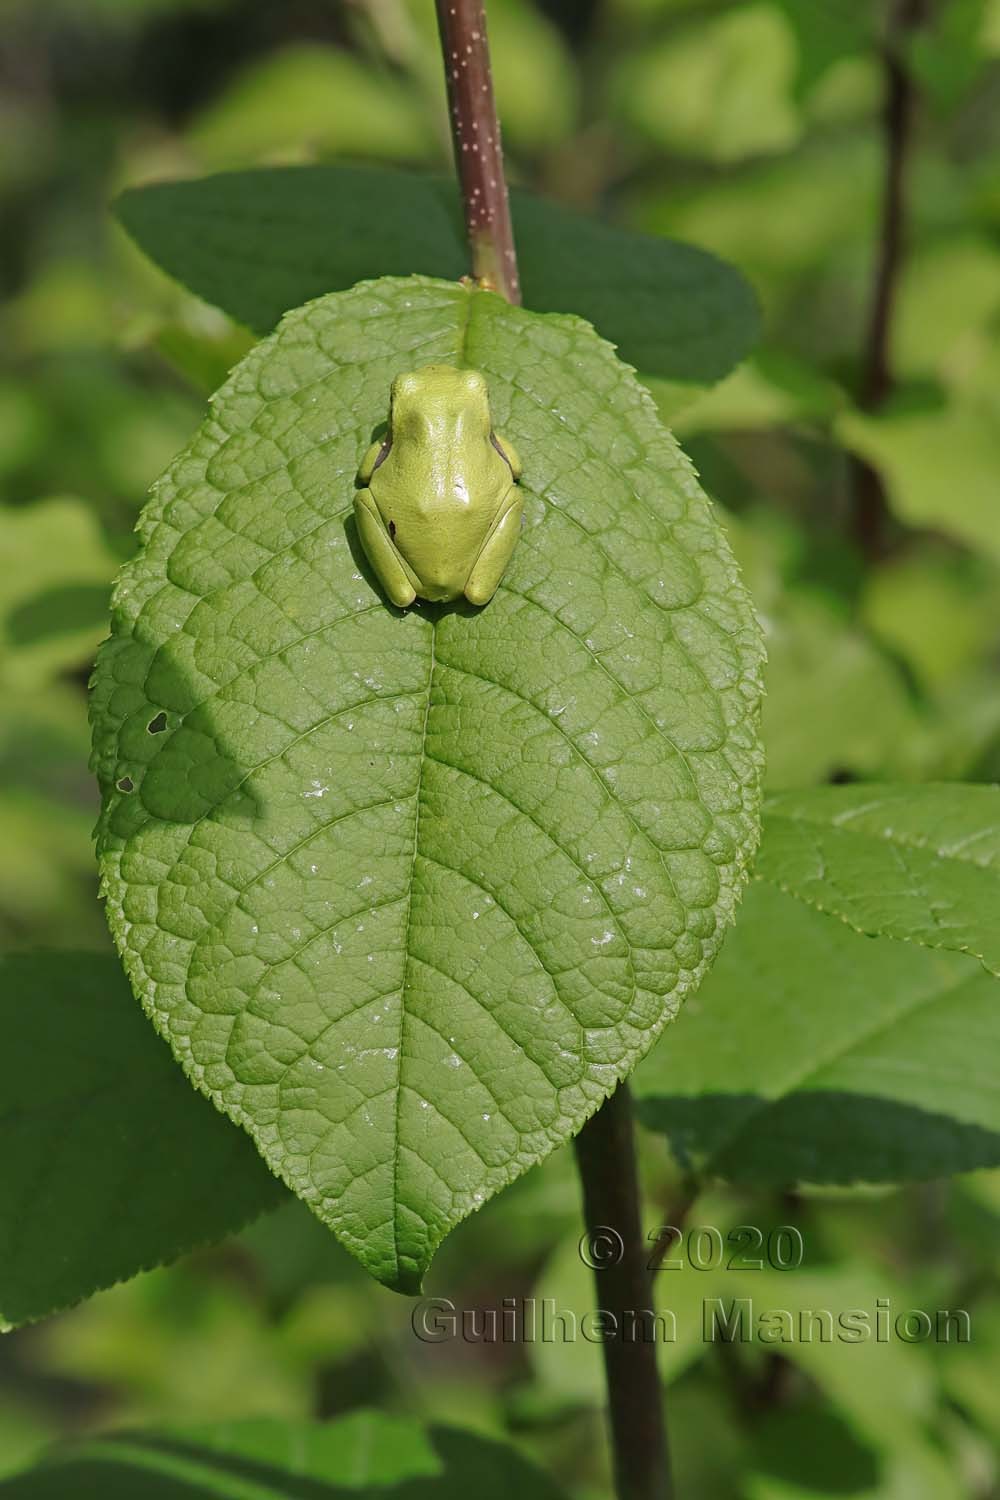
[[460, 353], [398, 1094]]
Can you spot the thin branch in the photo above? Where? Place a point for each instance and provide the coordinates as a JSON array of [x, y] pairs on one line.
[[605, 1153], [876, 381], [871, 509], [478, 154]]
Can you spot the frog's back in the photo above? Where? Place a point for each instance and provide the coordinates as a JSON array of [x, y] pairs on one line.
[[443, 480]]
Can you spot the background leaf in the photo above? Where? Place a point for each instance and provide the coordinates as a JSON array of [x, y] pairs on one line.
[[881, 1388], [834, 703], [410, 892], [47, 812], [365, 1453], [55, 570], [939, 462], [311, 93], [108, 1163], [721, 90], [917, 863], [813, 1054], [258, 243]]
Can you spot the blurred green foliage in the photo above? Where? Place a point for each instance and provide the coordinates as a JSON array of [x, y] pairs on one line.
[[749, 127]]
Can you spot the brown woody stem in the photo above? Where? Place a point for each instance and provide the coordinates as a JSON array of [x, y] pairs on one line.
[[478, 153], [605, 1154]]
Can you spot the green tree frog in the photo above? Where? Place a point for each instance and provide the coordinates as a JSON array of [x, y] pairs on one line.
[[440, 511]]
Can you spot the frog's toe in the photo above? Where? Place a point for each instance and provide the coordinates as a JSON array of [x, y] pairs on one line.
[[479, 592], [400, 591]]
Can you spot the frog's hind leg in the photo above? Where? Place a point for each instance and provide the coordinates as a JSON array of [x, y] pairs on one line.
[[393, 573], [374, 456], [495, 553], [507, 451]]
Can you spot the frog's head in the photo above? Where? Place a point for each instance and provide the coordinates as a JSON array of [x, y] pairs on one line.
[[439, 396]]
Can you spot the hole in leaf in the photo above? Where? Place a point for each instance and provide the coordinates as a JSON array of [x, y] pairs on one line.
[[125, 784], [158, 724]]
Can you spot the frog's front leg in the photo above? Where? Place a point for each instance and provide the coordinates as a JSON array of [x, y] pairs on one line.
[[393, 574], [494, 555]]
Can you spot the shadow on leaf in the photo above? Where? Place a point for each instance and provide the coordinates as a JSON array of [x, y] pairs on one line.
[[821, 1136]]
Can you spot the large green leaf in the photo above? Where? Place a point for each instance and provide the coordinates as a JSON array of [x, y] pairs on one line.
[[257, 243], [813, 1054], [921, 863], [409, 892], [365, 1453], [108, 1163]]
